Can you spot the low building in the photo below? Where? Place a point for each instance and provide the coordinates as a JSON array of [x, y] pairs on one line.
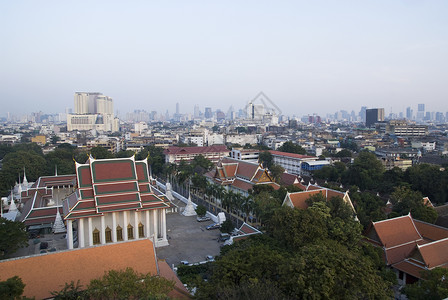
[[410, 246], [213, 153], [45, 273], [245, 154], [291, 162]]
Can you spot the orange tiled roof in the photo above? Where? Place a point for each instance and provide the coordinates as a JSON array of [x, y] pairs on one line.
[[397, 231], [49, 272], [430, 231], [409, 268], [179, 291], [434, 254], [293, 155]]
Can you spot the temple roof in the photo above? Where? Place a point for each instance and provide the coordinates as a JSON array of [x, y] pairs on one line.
[[108, 185]]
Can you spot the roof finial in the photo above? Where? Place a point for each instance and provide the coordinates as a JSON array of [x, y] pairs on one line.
[[55, 170]]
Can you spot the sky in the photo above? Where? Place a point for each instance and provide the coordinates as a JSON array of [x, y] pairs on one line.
[[306, 56]]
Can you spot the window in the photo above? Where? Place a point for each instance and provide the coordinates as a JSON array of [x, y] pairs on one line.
[[119, 233], [108, 235], [96, 236], [130, 232], [141, 232]]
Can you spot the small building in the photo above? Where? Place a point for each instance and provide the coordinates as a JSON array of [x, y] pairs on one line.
[[291, 162], [213, 153], [410, 246]]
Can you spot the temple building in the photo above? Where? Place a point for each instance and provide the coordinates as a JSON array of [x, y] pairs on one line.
[[115, 200]]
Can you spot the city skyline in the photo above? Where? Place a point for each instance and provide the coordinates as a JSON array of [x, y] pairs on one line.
[[307, 57]]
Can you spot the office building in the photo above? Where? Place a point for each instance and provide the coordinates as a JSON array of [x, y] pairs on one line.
[[92, 111], [374, 115]]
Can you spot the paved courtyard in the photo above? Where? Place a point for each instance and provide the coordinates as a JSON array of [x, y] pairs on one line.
[[189, 240]]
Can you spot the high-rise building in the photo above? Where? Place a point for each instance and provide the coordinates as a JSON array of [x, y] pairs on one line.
[[362, 113], [409, 113], [177, 108], [374, 115], [92, 111], [421, 112], [196, 112], [208, 113]]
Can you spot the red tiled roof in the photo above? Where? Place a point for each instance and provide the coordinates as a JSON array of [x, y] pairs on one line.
[[298, 199], [293, 155], [115, 187], [113, 170], [242, 185], [397, 254]]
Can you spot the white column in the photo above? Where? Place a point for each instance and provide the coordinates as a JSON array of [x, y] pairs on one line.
[[125, 226], [163, 211], [90, 232], [147, 223], [103, 230], [156, 230], [81, 241], [69, 234], [135, 225], [114, 227]]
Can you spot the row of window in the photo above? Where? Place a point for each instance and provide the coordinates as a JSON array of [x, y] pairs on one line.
[[97, 236]]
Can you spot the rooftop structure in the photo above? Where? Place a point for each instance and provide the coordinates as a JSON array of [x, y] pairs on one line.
[[177, 154]]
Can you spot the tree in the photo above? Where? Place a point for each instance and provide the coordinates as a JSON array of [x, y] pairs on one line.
[[12, 236], [99, 152], [266, 159], [200, 210], [277, 171], [12, 288], [227, 226], [70, 291], [366, 171], [128, 284], [290, 147], [405, 200], [434, 285]]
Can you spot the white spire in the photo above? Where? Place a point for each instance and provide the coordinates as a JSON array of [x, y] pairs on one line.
[[58, 226], [25, 181], [12, 206], [55, 170], [189, 209]]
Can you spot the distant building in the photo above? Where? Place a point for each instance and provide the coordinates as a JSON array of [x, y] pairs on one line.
[[177, 154], [292, 163], [374, 115], [92, 111], [245, 154]]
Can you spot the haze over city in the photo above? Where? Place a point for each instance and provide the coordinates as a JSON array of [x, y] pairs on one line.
[[308, 57]]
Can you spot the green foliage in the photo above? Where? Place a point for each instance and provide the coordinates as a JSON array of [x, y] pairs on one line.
[[99, 152], [12, 236], [266, 159], [276, 172], [344, 153], [12, 288], [128, 284], [265, 205], [227, 226], [70, 291], [433, 286], [201, 210], [430, 181], [406, 200], [366, 171], [291, 147]]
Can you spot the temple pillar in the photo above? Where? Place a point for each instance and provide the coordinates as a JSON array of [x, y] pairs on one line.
[[69, 234], [114, 227], [125, 226], [155, 232], [103, 230], [90, 232], [147, 224], [136, 235], [163, 211], [81, 241]]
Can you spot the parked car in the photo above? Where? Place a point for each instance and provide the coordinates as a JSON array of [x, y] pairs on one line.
[[210, 258], [203, 219], [43, 245], [213, 226], [184, 262], [224, 237]]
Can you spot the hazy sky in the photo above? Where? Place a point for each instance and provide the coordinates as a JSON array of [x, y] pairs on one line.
[[307, 56]]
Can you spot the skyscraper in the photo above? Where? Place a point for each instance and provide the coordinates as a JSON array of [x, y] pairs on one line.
[[374, 115], [208, 113], [409, 113], [421, 112]]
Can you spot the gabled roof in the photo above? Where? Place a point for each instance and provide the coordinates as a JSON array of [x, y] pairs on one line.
[[435, 254], [431, 232], [397, 231], [49, 272], [108, 185]]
